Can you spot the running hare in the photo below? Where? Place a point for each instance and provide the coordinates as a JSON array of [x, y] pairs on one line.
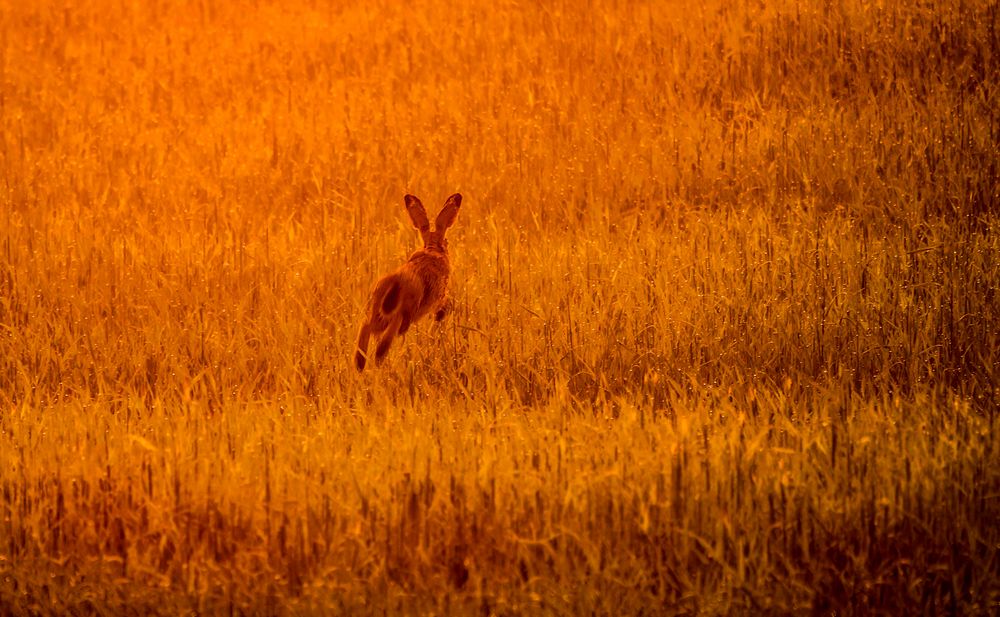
[[418, 287]]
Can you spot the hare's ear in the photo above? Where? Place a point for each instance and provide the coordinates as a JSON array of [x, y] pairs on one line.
[[448, 213], [417, 213]]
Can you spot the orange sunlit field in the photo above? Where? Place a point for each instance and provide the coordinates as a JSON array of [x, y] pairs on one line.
[[726, 319]]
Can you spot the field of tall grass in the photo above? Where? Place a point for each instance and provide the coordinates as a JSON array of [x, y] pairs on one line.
[[726, 322]]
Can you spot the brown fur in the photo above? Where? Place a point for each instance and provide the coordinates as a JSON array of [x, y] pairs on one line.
[[418, 287]]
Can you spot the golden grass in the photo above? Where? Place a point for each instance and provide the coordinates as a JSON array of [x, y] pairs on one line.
[[726, 327]]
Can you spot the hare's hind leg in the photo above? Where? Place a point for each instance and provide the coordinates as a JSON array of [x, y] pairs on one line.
[[405, 324], [362, 352], [385, 340], [445, 308]]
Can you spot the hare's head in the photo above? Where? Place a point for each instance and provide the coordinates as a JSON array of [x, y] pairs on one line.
[[433, 240]]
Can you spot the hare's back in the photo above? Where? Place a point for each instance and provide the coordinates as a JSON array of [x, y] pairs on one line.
[[433, 274]]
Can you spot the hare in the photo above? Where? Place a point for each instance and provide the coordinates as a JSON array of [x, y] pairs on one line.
[[418, 287]]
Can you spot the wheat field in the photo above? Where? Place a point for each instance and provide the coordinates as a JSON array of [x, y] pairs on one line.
[[726, 323]]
